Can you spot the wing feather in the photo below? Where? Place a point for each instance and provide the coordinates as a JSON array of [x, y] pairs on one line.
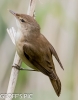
[[37, 60]]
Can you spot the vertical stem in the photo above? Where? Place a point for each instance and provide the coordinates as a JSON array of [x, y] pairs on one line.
[[31, 7]]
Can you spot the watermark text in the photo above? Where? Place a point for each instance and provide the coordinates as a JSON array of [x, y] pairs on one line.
[[16, 95]]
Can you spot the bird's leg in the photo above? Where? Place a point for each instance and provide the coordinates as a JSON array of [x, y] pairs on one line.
[[20, 68]]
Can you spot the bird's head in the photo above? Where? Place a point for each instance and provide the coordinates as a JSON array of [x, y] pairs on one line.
[[25, 22]]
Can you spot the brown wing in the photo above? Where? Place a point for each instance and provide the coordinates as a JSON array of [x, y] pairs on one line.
[[44, 65], [40, 59]]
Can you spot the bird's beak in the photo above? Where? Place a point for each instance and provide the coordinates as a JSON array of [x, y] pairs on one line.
[[12, 12], [16, 17]]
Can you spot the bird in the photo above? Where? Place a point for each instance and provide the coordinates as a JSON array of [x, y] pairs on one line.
[[35, 50]]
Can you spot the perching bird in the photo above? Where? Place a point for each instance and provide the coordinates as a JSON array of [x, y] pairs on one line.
[[35, 50]]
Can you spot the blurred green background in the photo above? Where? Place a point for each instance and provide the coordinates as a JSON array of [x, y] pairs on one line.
[[58, 20]]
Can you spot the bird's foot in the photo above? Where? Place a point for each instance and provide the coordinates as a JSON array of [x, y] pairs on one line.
[[20, 68]]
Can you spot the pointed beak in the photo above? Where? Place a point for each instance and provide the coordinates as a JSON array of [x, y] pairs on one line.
[[12, 12]]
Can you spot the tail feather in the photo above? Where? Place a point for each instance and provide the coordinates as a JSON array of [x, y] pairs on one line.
[[56, 85]]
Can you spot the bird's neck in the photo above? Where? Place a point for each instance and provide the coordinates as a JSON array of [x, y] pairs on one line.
[[26, 35]]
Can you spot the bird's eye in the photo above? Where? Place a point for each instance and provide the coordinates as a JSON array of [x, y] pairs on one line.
[[22, 20]]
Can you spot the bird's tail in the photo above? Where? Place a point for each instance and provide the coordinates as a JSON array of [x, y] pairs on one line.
[[56, 85]]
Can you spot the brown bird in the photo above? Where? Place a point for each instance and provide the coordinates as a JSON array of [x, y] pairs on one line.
[[35, 50]]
